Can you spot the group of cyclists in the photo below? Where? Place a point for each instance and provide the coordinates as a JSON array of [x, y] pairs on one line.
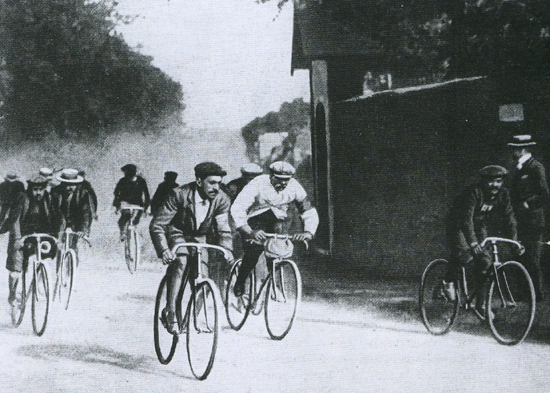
[[204, 210]]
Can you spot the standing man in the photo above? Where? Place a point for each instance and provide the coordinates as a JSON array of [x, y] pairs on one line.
[[163, 190], [262, 207], [130, 191], [187, 215], [10, 189], [248, 172], [469, 223], [529, 192], [32, 212], [73, 205]]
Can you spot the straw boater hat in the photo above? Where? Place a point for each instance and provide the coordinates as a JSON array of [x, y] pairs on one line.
[[521, 141], [69, 176], [11, 177], [46, 172]]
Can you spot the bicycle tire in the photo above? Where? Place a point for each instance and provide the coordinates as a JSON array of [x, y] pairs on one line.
[[511, 303], [159, 332], [132, 250], [238, 309], [17, 313], [437, 312], [40, 300], [203, 329], [282, 298], [65, 278]]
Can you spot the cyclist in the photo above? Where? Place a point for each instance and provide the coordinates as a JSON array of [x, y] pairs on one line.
[[163, 190], [248, 172], [32, 212], [130, 191], [477, 213], [262, 207], [187, 215], [10, 189], [73, 204], [93, 196]]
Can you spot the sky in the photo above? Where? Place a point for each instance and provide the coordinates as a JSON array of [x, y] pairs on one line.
[[232, 57]]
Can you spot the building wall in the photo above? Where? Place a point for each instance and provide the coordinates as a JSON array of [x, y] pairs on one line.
[[397, 162]]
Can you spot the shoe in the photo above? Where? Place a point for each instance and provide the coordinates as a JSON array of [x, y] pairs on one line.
[[122, 237], [168, 320], [448, 291], [238, 290]]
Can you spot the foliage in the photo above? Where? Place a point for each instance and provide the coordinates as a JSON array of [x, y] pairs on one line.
[[71, 72], [458, 38]]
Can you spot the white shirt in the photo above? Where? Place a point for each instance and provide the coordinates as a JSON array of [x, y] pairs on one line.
[[201, 208], [259, 196], [522, 160]]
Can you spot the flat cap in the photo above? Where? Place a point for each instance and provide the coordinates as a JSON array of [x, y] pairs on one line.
[[205, 169], [129, 168], [69, 175], [282, 169], [521, 141], [251, 169], [38, 181], [493, 171]]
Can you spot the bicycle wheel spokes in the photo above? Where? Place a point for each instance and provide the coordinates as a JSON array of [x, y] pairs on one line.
[[165, 342], [132, 250], [202, 330], [18, 309], [238, 308], [40, 300], [511, 301], [437, 310], [65, 277], [283, 294]]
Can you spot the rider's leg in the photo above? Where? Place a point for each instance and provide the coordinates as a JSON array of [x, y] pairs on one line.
[[174, 273], [14, 264], [13, 282], [123, 223], [250, 258]]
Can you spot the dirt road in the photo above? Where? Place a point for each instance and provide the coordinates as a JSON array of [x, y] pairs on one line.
[[352, 337]]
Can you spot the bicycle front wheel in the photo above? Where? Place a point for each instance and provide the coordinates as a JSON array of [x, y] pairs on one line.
[[511, 303], [132, 251], [238, 308], [283, 294], [40, 300], [165, 342], [65, 276], [438, 311], [202, 329]]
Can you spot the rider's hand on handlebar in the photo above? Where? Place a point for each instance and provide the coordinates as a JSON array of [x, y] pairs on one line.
[[258, 235], [476, 248], [520, 250], [81, 234], [302, 237], [167, 257]]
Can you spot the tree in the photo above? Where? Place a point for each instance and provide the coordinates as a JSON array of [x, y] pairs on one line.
[[70, 70]]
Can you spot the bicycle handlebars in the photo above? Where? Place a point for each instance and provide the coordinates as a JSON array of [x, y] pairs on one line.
[[228, 255], [69, 231], [494, 240], [279, 236]]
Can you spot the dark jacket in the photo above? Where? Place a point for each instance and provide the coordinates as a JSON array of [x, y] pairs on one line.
[[235, 186], [77, 214], [529, 185], [93, 196], [475, 216], [9, 192], [132, 191], [27, 217], [177, 216], [161, 194]]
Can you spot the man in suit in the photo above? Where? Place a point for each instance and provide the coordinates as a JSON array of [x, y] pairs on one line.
[[163, 190], [10, 189], [529, 192], [469, 223], [188, 214]]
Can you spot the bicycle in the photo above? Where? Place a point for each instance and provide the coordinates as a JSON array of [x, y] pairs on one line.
[[508, 302], [200, 321], [283, 292], [68, 261], [132, 246], [39, 287]]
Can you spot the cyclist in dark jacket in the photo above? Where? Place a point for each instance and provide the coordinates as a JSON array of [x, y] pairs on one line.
[[9, 191], [130, 191], [163, 190]]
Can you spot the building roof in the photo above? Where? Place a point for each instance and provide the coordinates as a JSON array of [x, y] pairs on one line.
[[318, 37]]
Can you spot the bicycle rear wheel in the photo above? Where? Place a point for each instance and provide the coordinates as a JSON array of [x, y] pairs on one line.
[[437, 311], [238, 308], [511, 303], [18, 310], [202, 329], [40, 300], [283, 294], [132, 250], [165, 342], [65, 276]]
